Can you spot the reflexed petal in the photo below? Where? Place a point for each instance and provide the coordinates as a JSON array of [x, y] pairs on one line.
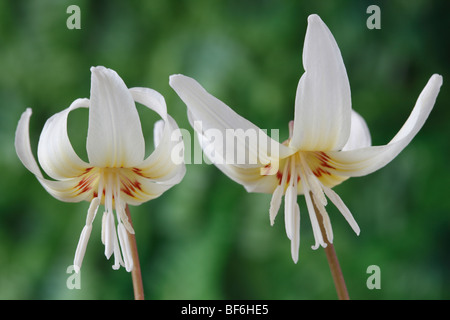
[[359, 134], [150, 98], [323, 102], [158, 131], [363, 161], [160, 167], [55, 152], [115, 136], [250, 178], [64, 190], [208, 115], [139, 188]]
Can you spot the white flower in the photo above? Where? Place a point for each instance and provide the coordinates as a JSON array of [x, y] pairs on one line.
[[329, 142], [117, 173]]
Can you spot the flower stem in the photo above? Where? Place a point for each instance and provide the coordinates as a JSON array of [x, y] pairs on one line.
[[333, 262], [136, 276]]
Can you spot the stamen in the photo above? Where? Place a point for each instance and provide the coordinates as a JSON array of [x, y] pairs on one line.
[[117, 256], [120, 208], [295, 213], [92, 210], [325, 217], [289, 202], [85, 235], [275, 203], [313, 182], [104, 228], [285, 173], [109, 234], [337, 201], [115, 241], [295, 242], [312, 215], [125, 245], [81, 247], [100, 185]]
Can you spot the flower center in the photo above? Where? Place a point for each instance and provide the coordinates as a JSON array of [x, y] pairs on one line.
[[110, 183], [109, 186]]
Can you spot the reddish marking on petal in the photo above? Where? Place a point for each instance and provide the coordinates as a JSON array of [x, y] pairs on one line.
[[324, 155], [139, 172], [85, 184], [319, 171], [324, 160], [86, 171], [131, 186], [126, 191]]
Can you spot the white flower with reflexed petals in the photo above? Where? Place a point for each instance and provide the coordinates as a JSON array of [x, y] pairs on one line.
[[328, 143], [117, 173]]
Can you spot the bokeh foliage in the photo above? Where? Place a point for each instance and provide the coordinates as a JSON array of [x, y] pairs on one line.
[[207, 238]]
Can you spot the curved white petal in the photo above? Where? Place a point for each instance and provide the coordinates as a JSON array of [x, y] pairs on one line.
[[150, 98], [252, 179], [115, 136], [161, 166], [363, 161], [137, 188], [232, 134], [359, 133], [55, 152], [65, 190], [323, 102], [158, 132]]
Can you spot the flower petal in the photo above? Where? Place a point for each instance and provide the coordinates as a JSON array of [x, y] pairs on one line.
[[363, 161], [55, 152], [161, 166], [64, 190], [359, 133], [250, 178], [323, 102], [235, 133], [115, 136]]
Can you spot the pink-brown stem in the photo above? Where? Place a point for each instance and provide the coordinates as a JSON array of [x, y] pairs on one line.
[[136, 276], [333, 262]]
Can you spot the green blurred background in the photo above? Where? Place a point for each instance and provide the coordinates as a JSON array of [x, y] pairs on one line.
[[207, 238]]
